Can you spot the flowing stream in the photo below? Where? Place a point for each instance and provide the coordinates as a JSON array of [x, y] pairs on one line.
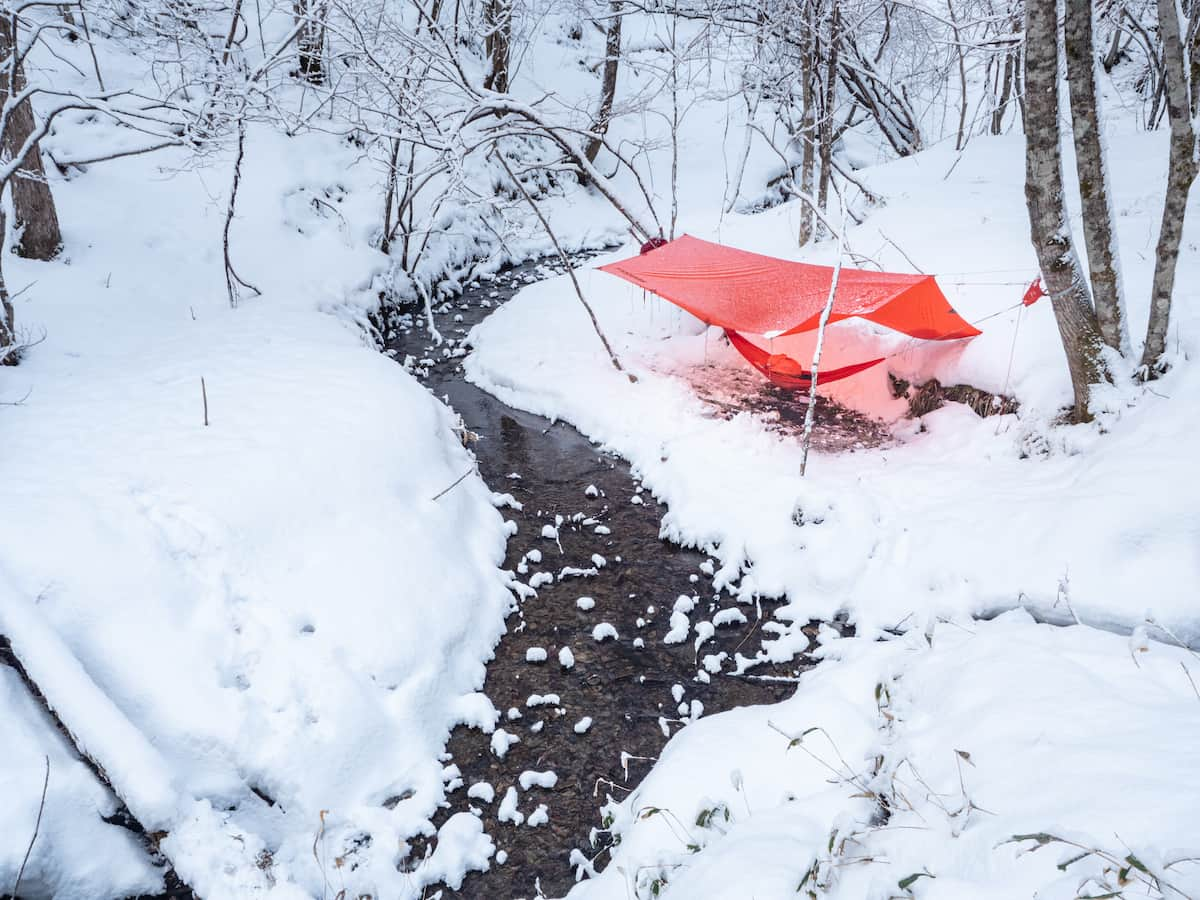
[[634, 688]]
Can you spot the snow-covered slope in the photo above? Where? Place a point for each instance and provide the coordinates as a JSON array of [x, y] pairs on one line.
[[929, 756], [276, 603]]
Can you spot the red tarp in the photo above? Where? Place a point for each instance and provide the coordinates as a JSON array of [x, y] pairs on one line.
[[761, 295]]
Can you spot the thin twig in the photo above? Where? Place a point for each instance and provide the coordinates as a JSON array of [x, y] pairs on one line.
[[87, 33], [566, 264], [62, 164], [36, 828], [20, 402], [902, 253], [456, 483], [1188, 673]]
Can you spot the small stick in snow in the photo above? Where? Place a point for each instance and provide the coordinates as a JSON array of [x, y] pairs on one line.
[[456, 483], [901, 251], [204, 395], [810, 413], [37, 826], [1188, 673], [20, 402]]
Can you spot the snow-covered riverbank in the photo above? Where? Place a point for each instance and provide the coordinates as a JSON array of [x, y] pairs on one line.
[[275, 603], [1075, 732]]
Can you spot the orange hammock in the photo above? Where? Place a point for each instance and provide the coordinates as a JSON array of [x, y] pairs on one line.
[[747, 293]]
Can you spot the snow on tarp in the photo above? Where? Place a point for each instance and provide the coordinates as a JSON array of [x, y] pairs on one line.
[[755, 294]]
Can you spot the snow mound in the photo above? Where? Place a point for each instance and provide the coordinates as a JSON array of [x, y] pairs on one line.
[[980, 733]]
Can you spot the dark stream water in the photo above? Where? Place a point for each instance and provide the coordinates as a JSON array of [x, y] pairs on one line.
[[625, 684]]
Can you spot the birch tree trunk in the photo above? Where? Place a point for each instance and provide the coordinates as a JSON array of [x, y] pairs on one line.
[[1181, 172], [1098, 234], [35, 217], [608, 89], [1048, 223]]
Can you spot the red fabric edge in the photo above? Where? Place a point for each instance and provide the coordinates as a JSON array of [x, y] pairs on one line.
[[785, 372]]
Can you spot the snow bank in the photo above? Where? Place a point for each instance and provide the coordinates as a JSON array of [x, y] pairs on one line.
[[976, 734], [962, 515], [250, 602]]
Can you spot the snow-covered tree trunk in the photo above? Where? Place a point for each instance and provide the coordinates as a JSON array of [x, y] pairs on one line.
[[8, 325], [808, 124], [1181, 172], [608, 87], [1048, 225], [1093, 176], [1011, 61], [963, 98], [35, 218], [498, 21], [310, 42], [828, 98]]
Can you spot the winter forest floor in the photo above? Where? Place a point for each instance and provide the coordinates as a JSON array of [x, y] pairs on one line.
[[478, 617]]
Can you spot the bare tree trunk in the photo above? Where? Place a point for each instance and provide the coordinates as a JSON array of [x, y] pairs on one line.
[[961, 140], [1181, 172], [827, 102], [311, 40], [808, 121], [608, 89], [1114, 50], [1193, 50], [673, 26], [1010, 64], [35, 218], [389, 198], [1019, 90], [498, 21], [8, 324], [1098, 234], [1048, 225]]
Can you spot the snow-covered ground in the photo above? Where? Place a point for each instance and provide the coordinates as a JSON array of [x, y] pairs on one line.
[[929, 755], [962, 515], [272, 606], [263, 628]]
